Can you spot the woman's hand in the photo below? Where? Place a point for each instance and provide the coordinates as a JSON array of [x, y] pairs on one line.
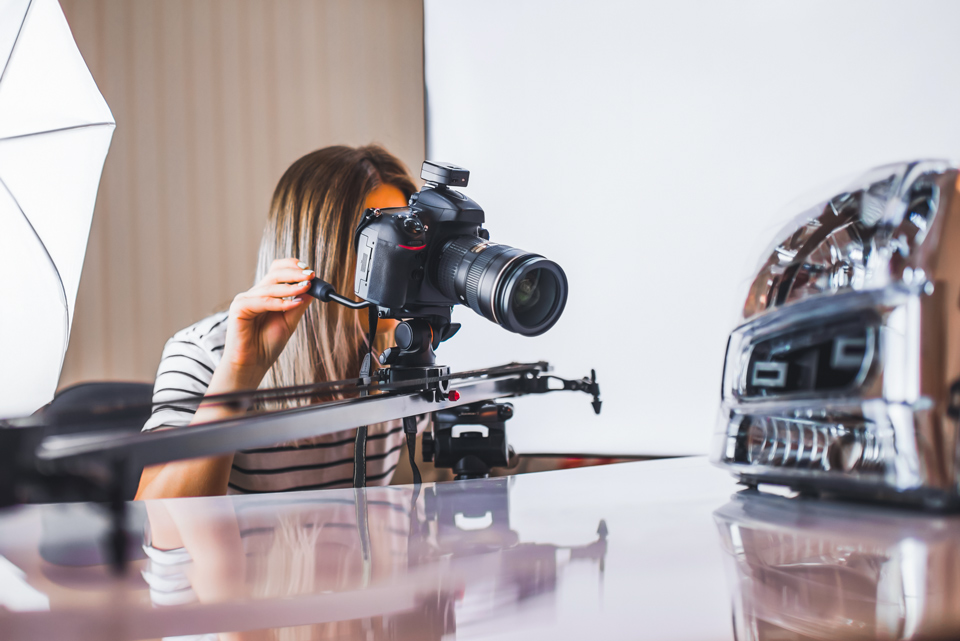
[[261, 322]]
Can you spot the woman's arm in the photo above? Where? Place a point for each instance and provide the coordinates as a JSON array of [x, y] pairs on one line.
[[259, 325], [204, 476]]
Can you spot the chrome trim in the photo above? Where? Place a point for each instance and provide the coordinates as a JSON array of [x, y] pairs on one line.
[[887, 248]]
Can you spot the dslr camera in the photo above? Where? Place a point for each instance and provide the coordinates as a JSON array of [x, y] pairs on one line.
[[420, 260]]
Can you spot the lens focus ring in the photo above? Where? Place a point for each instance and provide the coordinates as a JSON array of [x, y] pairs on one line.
[[450, 260], [476, 273]]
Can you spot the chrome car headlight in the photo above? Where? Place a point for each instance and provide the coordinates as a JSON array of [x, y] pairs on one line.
[[838, 378]]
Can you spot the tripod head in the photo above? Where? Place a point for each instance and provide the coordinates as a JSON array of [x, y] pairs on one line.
[[417, 338]]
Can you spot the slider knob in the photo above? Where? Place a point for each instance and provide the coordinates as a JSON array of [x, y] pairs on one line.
[[403, 334]]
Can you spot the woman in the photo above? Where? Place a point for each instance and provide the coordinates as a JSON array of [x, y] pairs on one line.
[[273, 337]]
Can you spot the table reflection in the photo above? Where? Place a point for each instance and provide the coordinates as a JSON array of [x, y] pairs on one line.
[[803, 569], [425, 564]]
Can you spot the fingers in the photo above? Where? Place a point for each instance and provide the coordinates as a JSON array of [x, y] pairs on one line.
[[258, 301], [293, 315], [287, 270], [283, 290], [288, 263], [288, 276]]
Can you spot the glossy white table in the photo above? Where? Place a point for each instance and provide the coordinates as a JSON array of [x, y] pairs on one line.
[[517, 558]]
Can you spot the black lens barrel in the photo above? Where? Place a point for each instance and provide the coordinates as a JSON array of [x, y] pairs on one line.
[[523, 292]]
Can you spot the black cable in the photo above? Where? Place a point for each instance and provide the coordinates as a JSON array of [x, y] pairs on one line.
[[363, 529], [410, 429], [417, 546], [360, 444]]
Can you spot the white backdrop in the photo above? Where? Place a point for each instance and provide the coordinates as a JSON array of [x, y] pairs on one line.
[[652, 149]]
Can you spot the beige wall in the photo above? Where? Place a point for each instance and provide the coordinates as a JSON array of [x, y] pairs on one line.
[[213, 100]]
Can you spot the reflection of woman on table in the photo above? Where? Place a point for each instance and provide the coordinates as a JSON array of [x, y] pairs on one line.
[[227, 551]]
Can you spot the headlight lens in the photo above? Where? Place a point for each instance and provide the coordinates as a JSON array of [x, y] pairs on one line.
[[845, 243]]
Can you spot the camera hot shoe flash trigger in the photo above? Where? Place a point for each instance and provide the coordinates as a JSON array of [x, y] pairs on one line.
[[444, 173]]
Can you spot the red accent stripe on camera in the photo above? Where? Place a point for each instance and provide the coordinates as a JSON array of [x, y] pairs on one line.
[[409, 247]]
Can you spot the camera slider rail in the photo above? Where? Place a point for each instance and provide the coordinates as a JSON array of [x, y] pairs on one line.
[[90, 452]]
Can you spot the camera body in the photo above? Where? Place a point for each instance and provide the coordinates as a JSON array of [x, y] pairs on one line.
[[394, 246], [420, 260]]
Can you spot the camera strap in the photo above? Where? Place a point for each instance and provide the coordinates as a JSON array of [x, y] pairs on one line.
[[366, 369]]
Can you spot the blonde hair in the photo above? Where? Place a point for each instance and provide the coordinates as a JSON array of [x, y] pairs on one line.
[[313, 215]]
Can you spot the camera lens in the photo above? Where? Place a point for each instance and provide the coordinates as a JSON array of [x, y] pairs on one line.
[[533, 297], [523, 292]]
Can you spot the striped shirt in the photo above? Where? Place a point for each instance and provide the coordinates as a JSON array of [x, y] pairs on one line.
[[186, 367]]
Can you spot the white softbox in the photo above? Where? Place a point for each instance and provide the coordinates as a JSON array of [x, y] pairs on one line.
[[55, 130]]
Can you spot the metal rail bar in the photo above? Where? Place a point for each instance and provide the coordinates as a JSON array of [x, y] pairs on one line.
[[262, 430]]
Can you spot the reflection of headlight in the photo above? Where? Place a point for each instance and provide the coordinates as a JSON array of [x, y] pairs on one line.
[[827, 573], [837, 376]]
